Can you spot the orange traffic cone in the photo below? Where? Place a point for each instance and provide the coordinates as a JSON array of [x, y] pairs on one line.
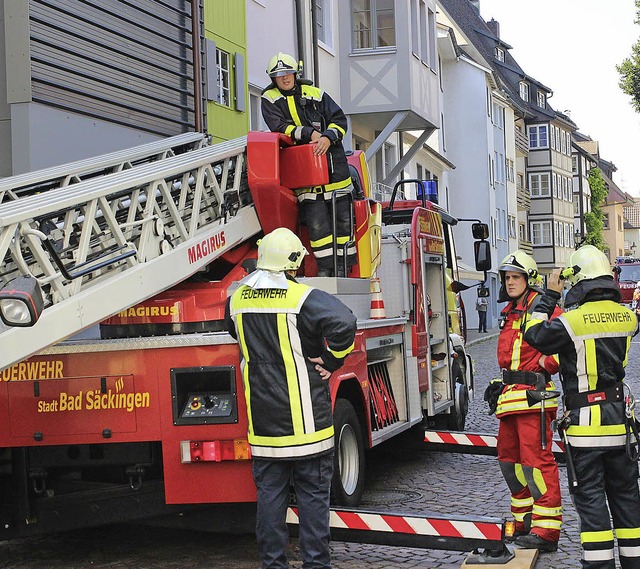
[[377, 303]]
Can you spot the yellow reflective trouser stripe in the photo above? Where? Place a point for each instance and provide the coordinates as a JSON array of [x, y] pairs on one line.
[[546, 523], [291, 440], [293, 111], [338, 128], [322, 242], [342, 240], [342, 353], [245, 370], [627, 533], [596, 536], [292, 375], [546, 511], [521, 502]]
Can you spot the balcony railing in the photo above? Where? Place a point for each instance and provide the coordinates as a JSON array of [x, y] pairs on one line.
[[522, 142], [523, 199]]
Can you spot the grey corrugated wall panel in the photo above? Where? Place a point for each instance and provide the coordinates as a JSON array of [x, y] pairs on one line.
[[126, 61]]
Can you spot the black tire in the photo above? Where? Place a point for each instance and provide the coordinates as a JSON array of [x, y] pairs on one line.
[[457, 418], [347, 485]]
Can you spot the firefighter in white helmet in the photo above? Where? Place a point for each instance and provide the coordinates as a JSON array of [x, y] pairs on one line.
[[292, 337], [527, 464], [309, 115], [592, 340]]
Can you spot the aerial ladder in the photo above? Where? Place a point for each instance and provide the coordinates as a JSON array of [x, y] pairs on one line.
[[103, 234]]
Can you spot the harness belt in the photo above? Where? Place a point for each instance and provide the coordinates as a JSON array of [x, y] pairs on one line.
[[596, 397], [510, 376]]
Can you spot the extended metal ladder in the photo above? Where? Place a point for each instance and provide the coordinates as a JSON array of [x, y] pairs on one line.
[[107, 242]]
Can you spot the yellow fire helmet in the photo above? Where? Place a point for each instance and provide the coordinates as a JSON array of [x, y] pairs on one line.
[[588, 262], [280, 250], [282, 64], [520, 262]]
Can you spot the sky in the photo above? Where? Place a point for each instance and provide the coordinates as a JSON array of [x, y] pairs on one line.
[[572, 47]]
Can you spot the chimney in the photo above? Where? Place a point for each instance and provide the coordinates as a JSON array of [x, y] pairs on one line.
[[494, 26], [475, 4]]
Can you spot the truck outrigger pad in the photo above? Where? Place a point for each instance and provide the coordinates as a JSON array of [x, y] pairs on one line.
[[460, 533]]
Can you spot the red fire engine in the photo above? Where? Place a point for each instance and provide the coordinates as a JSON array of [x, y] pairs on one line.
[[627, 274], [146, 418]]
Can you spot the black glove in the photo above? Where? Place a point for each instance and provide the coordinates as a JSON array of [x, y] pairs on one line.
[[492, 393]]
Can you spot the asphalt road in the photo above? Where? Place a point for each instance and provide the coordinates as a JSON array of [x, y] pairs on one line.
[[414, 482]]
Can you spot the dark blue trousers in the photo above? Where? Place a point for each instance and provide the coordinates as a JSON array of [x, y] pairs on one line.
[[311, 479]]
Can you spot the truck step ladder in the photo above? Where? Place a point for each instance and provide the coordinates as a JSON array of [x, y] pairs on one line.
[[108, 242]]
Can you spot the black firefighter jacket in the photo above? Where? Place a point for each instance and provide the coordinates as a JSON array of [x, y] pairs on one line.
[[592, 342], [288, 403], [302, 110]]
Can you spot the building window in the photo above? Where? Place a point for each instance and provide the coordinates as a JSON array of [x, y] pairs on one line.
[[605, 221], [498, 115], [557, 139], [499, 54], [373, 24], [552, 130], [512, 226], [431, 30], [538, 136], [223, 67], [542, 99], [541, 233], [620, 226], [522, 235], [554, 184], [520, 182], [510, 170], [563, 142], [416, 5], [539, 185], [524, 91], [574, 164], [323, 19], [576, 205]]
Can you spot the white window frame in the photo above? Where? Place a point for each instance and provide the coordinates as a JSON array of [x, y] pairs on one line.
[[537, 183], [540, 232], [542, 100], [523, 87], [538, 136], [324, 20], [499, 53], [552, 140], [373, 29], [223, 70], [554, 184]]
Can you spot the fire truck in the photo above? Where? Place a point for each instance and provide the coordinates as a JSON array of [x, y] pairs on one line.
[[626, 272], [121, 394]]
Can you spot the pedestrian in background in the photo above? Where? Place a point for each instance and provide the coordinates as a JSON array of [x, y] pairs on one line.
[[530, 471], [309, 115], [593, 342], [481, 306], [292, 337]]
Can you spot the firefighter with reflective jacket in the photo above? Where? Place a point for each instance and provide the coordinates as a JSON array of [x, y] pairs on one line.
[[527, 464], [292, 337], [592, 340], [309, 115]]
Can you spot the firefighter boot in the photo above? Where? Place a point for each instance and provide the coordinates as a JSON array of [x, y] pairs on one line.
[[533, 541]]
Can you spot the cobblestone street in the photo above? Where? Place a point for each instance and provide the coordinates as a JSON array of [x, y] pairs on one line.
[[419, 482]]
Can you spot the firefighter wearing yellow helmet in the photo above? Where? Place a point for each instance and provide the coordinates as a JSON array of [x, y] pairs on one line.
[[292, 337], [307, 114], [592, 340], [524, 454]]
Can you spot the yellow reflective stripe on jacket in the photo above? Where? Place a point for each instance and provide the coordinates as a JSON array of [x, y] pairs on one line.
[[515, 352], [293, 110], [291, 371], [337, 127], [342, 353], [289, 130], [311, 92], [244, 364], [260, 300]]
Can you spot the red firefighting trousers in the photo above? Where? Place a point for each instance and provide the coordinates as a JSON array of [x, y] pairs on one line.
[[531, 474]]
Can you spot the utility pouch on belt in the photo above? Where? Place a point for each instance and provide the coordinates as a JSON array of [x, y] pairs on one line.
[[510, 376], [596, 397]]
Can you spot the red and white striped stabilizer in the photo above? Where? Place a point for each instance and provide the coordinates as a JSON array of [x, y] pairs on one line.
[[474, 443], [377, 303], [432, 532]]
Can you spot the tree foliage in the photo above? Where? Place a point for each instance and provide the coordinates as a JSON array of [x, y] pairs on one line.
[[593, 219], [629, 70]]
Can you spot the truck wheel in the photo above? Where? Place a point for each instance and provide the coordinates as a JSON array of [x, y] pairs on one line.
[[347, 485], [457, 418]]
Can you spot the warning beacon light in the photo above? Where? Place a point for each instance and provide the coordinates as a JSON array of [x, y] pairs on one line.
[[430, 190], [21, 301]]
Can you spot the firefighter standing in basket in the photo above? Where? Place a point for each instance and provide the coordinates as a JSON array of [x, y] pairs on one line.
[[292, 337], [592, 340], [527, 463], [309, 115]]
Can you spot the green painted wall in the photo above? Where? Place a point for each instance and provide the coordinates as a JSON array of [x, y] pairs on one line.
[[225, 23]]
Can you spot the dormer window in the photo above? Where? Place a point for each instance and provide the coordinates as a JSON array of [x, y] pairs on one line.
[[524, 91], [499, 54], [542, 99]]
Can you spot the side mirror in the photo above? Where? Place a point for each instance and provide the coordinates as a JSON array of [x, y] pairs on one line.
[[480, 231], [483, 291], [457, 287], [617, 270], [482, 253]]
